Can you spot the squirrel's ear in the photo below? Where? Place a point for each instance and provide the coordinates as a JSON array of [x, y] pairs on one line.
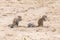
[[44, 16], [19, 16]]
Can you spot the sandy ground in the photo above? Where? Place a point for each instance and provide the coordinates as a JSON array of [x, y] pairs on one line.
[[31, 11]]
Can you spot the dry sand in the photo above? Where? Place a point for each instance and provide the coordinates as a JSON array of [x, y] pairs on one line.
[[31, 11]]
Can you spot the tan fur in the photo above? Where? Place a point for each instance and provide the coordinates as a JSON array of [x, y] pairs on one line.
[[16, 21], [41, 20]]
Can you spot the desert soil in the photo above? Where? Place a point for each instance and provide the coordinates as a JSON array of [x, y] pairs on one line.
[[31, 11]]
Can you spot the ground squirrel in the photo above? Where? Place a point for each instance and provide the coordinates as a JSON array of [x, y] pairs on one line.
[[16, 21], [40, 21]]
